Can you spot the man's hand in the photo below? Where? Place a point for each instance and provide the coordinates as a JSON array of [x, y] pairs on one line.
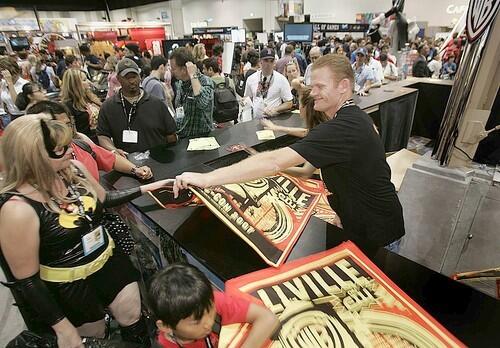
[[362, 93], [183, 181], [143, 172], [270, 112], [192, 69]]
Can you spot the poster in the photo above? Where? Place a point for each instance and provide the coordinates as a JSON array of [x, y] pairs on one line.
[[337, 298], [269, 214]]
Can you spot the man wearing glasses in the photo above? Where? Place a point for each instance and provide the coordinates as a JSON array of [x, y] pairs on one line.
[[268, 90]]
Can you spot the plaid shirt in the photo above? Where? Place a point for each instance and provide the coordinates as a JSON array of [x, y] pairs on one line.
[[198, 109]]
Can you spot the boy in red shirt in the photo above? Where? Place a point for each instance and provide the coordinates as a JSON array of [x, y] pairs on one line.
[[188, 310]]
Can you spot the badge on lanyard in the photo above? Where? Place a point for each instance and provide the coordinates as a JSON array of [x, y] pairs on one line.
[[93, 240], [179, 113], [130, 136]]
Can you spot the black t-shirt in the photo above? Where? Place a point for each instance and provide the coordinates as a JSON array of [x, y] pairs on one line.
[[351, 157], [152, 121]]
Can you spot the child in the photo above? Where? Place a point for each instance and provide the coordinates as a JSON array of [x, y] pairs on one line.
[[186, 308]]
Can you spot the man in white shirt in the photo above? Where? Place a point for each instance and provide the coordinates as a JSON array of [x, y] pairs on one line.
[[374, 64], [435, 66], [314, 54], [11, 84], [268, 90], [364, 76], [390, 70]]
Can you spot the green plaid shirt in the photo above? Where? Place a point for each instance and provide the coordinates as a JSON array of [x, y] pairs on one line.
[[198, 109]]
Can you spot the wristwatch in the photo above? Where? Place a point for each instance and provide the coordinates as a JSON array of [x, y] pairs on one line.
[[133, 171], [195, 76]]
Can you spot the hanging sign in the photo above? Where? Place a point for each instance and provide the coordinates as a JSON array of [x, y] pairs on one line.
[[480, 15], [340, 27]]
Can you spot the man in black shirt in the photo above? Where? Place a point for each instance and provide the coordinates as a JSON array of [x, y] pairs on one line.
[[132, 120], [349, 153], [93, 63]]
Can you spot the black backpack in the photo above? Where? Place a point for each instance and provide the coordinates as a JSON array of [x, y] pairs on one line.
[[226, 107], [44, 79]]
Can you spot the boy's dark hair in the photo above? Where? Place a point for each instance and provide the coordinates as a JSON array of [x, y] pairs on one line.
[[218, 49], [383, 57], [156, 61], [211, 63], [181, 56], [179, 291]]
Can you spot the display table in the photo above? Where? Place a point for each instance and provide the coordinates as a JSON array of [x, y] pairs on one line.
[[193, 234]]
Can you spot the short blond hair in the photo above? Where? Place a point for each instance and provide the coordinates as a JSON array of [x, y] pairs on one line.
[[338, 64]]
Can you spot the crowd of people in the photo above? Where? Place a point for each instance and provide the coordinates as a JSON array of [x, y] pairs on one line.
[[58, 133]]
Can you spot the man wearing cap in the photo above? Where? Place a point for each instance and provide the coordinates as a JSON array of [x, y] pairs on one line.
[[364, 77], [268, 90], [132, 120]]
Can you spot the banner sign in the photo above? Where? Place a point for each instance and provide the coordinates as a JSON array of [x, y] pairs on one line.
[[213, 31], [340, 27], [269, 214], [480, 15], [337, 298]]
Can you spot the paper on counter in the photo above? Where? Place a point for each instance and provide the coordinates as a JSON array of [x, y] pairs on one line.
[[265, 134], [199, 144], [399, 163]]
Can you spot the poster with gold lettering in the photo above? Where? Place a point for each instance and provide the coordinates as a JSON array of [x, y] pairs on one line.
[[337, 298], [269, 214]]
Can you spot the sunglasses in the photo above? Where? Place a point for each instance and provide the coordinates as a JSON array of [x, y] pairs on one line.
[[50, 147]]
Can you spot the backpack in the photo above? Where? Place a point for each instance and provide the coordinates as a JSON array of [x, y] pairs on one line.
[[44, 79], [226, 107]]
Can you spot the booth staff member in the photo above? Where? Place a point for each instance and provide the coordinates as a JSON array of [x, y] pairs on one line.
[[132, 120], [269, 91], [348, 151]]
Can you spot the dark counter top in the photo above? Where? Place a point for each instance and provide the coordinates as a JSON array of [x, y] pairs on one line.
[[467, 313]]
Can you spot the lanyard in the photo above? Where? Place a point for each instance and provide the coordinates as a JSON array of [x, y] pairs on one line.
[[131, 113], [263, 87]]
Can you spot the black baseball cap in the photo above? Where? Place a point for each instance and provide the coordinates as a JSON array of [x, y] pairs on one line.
[[267, 53]]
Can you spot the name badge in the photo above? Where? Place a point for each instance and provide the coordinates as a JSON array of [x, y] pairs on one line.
[[93, 240], [179, 113], [130, 136]]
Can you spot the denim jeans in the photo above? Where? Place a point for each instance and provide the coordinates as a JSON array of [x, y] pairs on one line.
[[5, 120], [394, 246]]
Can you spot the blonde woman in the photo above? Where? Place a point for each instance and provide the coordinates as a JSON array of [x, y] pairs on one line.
[[113, 83], [84, 105], [199, 54], [60, 259]]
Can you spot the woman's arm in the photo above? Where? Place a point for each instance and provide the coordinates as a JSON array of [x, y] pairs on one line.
[[295, 131], [20, 242]]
